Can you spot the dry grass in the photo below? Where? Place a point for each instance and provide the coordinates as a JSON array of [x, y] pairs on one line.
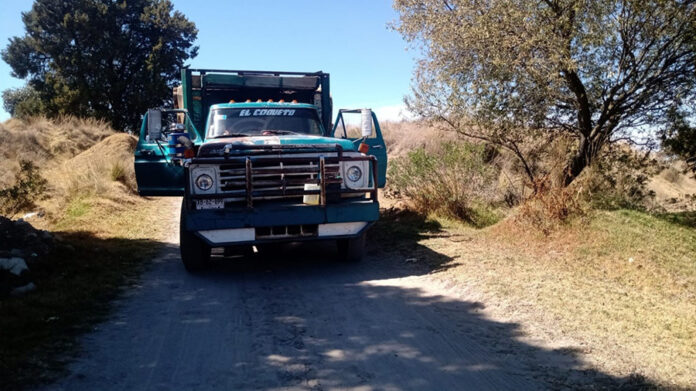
[[617, 286], [402, 137], [104, 172], [80, 158], [45, 142]]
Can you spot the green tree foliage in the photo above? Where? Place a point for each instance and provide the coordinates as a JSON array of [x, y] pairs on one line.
[[102, 58], [22, 102], [679, 138], [517, 73]]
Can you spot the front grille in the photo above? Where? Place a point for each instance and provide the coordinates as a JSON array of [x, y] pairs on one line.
[[275, 179], [257, 174], [287, 231]]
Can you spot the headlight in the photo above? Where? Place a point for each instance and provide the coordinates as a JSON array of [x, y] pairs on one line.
[[354, 173], [204, 182], [202, 179]]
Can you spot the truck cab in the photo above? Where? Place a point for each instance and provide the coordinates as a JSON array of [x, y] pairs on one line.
[[258, 161]]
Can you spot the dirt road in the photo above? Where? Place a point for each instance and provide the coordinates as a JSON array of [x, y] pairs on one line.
[[303, 321]]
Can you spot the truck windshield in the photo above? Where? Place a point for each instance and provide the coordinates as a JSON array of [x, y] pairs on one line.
[[227, 122]]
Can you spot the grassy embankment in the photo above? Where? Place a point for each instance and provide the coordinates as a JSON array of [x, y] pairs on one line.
[[106, 232], [617, 286]]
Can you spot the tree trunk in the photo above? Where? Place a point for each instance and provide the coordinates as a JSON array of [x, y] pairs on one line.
[[586, 153], [574, 168]]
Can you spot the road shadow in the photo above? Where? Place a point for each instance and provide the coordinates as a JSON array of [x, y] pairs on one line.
[[297, 319], [394, 237], [387, 337], [76, 282]]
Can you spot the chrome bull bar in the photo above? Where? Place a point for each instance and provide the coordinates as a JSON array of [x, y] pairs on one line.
[[270, 177]]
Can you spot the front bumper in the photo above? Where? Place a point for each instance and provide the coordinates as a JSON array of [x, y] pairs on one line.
[[230, 226]]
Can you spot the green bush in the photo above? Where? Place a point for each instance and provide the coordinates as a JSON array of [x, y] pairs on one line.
[[457, 181], [28, 188], [619, 180]]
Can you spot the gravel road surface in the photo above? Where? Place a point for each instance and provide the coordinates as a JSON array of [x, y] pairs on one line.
[[302, 321]]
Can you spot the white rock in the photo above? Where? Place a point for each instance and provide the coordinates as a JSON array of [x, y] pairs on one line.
[[14, 265], [29, 215]]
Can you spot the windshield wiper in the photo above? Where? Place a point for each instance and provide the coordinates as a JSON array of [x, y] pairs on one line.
[[231, 135]]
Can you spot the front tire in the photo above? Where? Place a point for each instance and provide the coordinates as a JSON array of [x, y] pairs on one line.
[[270, 250], [353, 249], [195, 253]]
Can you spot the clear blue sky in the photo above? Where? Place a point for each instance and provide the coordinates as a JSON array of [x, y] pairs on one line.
[[368, 63]]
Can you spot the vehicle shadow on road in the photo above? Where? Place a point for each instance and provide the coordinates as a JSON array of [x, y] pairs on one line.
[[316, 323]]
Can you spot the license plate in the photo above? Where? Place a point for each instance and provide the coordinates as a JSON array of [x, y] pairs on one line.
[[210, 204]]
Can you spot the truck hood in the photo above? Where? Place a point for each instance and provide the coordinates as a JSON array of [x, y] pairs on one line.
[[216, 147]]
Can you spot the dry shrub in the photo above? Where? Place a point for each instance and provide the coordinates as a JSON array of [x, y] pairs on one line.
[[457, 181], [29, 187], [672, 175], [551, 206], [617, 180]]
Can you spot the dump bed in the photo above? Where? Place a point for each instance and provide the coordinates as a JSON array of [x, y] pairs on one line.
[[202, 88]]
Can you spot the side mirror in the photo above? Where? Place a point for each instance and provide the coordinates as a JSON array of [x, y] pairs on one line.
[[154, 124], [366, 122]]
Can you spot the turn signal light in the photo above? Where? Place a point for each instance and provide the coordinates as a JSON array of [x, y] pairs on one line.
[[363, 148], [231, 101]]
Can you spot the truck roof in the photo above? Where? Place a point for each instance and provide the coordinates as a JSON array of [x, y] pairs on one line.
[[255, 105]]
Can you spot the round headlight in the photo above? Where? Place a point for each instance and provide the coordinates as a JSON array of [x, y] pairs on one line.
[[204, 182], [353, 173]]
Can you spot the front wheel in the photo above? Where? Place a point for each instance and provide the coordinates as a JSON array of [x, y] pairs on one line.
[[353, 249], [195, 253]]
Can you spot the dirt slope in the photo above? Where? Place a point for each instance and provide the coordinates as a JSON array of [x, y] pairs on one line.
[[674, 190]]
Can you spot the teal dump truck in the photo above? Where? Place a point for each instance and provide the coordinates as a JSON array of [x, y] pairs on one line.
[[259, 162]]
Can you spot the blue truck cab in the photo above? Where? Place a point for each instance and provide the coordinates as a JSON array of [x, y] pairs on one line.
[[258, 161]]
